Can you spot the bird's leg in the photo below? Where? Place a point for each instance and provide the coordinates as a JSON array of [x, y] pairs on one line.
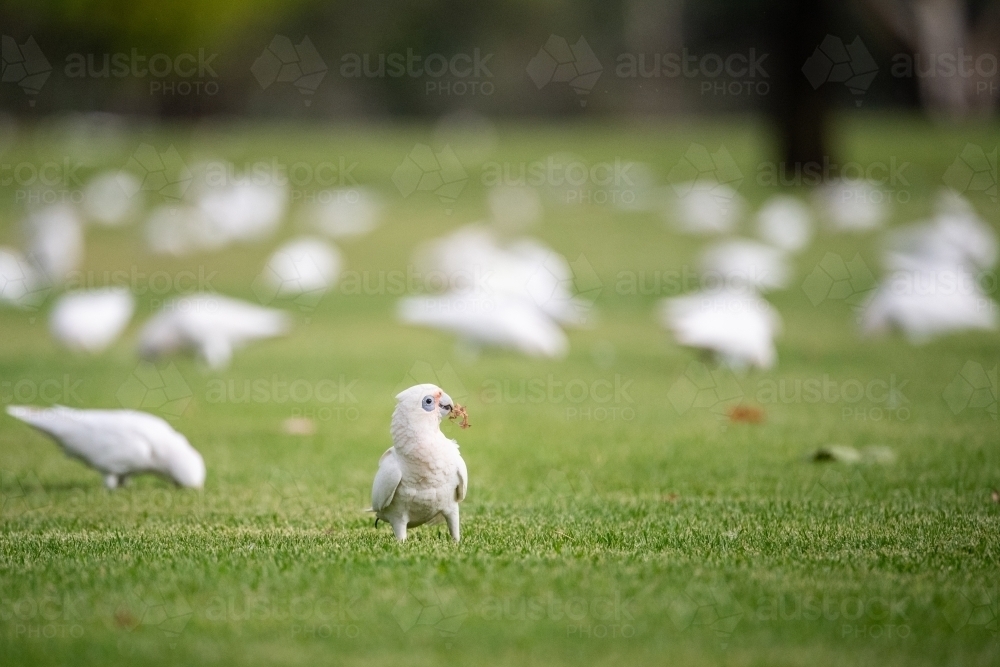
[[451, 516], [111, 482], [376, 523]]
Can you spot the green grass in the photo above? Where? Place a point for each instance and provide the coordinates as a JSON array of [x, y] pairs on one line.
[[639, 533]]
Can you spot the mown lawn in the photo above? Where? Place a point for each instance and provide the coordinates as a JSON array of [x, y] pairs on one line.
[[614, 513]]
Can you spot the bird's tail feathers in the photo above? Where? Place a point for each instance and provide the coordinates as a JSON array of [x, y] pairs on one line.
[[46, 420]]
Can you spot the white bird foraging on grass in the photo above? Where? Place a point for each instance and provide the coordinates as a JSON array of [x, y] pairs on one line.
[[707, 208], [422, 477], [55, 241], [736, 325], [482, 318], [302, 266], [936, 281], [91, 320], [118, 443], [853, 205], [742, 262], [344, 212], [106, 199], [211, 325], [785, 222], [21, 285]]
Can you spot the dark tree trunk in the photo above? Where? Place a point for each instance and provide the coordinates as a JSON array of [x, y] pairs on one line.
[[799, 112]]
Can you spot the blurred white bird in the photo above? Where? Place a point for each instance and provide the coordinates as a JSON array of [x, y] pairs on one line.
[[929, 300], [91, 320], [472, 258], [55, 241], [482, 318], [422, 478], [243, 210], [211, 325], [118, 443], [933, 287], [707, 208], [514, 207], [736, 325], [181, 229], [301, 266], [214, 216], [785, 222], [953, 236], [106, 200], [20, 283], [344, 212], [853, 205], [741, 262]]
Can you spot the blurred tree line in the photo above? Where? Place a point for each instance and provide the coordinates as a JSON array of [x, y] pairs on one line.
[[251, 57]]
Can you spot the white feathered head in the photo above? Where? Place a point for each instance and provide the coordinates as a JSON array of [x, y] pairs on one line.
[[187, 467], [423, 403]]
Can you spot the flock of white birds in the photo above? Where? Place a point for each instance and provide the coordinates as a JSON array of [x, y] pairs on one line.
[[933, 286], [495, 286]]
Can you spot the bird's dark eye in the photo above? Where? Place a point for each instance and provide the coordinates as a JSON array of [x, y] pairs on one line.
[[428, 403]]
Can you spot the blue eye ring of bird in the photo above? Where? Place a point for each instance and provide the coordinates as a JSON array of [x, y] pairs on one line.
[[440, 400]]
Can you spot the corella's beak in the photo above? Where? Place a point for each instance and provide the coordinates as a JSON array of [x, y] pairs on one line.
[[446, 404]]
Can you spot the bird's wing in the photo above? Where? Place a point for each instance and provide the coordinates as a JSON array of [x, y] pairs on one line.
[[386, 480], [102, 438], [463, 480]]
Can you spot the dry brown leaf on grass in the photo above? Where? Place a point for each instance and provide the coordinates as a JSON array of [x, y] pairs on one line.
[[298, 426], [746, 414]]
